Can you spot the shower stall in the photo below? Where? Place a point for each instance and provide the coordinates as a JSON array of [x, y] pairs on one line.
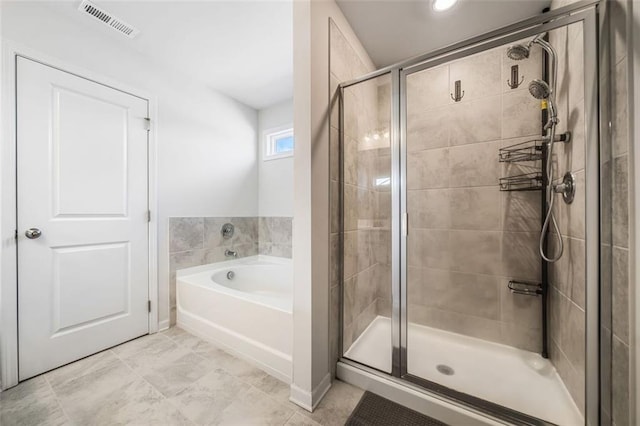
[[470, 221]]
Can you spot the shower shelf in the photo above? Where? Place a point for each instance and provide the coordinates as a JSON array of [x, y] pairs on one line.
[[530, 150], [523, 182], [526, 288]]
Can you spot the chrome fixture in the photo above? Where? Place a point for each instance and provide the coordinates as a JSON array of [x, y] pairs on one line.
[[515, 76], [230, 253], [567, 188], [33, 233], [539, 89], [545, 91], [518, 52], [230, 275], [530, 150], [459, 93], [227, 230], [526, 288]]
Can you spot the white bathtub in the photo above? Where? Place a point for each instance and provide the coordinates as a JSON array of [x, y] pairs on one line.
[[248, 315]]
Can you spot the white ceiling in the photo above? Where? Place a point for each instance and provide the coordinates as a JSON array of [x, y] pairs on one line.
[[394, 30], [241, 48]]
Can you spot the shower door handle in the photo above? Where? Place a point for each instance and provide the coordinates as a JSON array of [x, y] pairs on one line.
[[33, 233], [405, 224]]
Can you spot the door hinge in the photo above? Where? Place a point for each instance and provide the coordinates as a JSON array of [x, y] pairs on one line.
[[147, 124], [148, 305], [148, 215], [15, 236]]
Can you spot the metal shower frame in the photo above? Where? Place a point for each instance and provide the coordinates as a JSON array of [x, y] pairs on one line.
[[592, 14]]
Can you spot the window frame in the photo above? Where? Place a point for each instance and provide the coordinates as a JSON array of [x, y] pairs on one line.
[[269, 141]]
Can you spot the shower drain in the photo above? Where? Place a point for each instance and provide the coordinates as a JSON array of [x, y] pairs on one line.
[[445, 369]]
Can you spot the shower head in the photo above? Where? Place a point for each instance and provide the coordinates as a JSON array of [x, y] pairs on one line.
[[518, 52], [539, 89]]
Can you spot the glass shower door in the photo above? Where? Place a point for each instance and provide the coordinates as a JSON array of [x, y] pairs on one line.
[[473, 149], [366, 222]]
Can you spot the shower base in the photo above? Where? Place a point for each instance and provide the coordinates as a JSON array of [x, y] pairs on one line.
[[510, 377]]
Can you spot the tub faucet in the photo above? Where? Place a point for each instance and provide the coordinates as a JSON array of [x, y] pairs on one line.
[[231, 253]]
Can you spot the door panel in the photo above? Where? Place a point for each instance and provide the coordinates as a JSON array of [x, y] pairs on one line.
[[101, 184], [367, 210], [82, 180], [106, 267]]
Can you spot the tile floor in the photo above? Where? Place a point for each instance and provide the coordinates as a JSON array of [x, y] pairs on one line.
[[169, 378]]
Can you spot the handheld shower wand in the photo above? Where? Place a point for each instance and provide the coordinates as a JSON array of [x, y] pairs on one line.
[[542, 90]]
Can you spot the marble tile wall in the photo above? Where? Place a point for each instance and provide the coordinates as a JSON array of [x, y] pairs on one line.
[[466, 238], [360, 241], [275, 236], [616, 244], [567, 329], [621, 341], [195, 241]]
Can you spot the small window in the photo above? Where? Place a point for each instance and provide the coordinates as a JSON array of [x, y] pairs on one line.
[[278, 143]]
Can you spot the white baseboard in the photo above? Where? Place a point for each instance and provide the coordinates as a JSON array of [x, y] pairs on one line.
[[163, 325], [310, 400]]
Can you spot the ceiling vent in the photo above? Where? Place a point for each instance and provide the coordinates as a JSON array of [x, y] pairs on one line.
[[108, 19]]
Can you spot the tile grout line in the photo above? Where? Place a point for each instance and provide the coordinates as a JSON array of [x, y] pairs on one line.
[[293, 410], [237, 378], [57, 398], [164, 398], [250, 384]]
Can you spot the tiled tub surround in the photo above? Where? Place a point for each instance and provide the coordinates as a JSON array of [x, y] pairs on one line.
[[275, 236], [467, 239], [345, 63], [195, 241]]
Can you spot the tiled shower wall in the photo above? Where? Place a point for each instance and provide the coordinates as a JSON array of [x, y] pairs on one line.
[[195, 241], [615, 198], [344, 64], [621, 337], [466, 238], [567, 276], [619, 331]]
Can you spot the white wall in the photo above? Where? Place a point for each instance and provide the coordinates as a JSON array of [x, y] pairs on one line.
[[311, 373], [275, 183], [207, 151]]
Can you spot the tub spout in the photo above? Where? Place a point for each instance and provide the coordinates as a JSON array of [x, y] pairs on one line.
[[231, 253]]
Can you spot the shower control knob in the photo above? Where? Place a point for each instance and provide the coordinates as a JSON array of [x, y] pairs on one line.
[[33, 233], [567, 188]]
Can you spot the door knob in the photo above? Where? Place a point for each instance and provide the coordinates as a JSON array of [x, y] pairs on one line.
[[33, 233]]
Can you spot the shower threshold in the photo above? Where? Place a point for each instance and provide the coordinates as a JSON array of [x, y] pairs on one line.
[[510, 377]]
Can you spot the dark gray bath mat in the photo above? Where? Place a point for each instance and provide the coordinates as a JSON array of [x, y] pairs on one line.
[[374, 410]]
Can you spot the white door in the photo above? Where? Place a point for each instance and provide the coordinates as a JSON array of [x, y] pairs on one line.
[[82, 182]]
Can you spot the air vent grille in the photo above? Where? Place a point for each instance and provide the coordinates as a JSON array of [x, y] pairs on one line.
[[108, 19]]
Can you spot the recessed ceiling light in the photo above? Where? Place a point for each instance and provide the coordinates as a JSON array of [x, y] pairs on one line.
[[441, 5]]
